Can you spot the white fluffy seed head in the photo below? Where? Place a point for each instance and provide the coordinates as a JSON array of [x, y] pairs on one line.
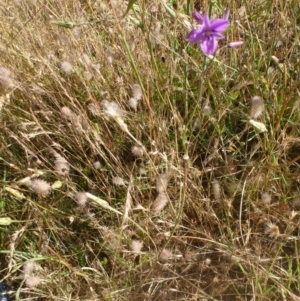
[[85, 60], [94, 108], [136, 246], [40, 186], [162, 182], [28, 267], [207, 110], [97, 165], [67, 113], [118, 181], [112, 109], [137, 151], [66, 67], [216, 190], [6, 80], [272, 230], [266, 198], [166, 254], [109, 56], [257, 107], [4, 72], [160, 202], [133, 103], [33, 281], [62, 166], [87, 75], [81, 199], [137, 92], [142, 171]]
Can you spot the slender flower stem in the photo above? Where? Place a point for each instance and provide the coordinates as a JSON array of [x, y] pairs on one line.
[[191, 117]]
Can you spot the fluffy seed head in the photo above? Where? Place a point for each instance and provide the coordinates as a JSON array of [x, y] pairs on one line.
[[40, 186], [137, 151], [207, 110], [118, 181], [109, 56], [142, 171], [94, 109], [33, 281], [81, 199], [216, 190], [5, 72], [272, 230], [166, 254], [266, 197], [97, 165], [67, 113], [66, 67], [28, 267], [257, 107], [6, 80], [85, 60], [137, 92], [112, 109], [136, 246], [133, 103], [160, 202], [162, 182], [62, 166], [88, 75]]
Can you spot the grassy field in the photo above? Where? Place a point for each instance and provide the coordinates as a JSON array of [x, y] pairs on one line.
[[135, 167]]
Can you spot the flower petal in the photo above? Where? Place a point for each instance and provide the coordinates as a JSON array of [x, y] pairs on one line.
[[206, 21], [219, 25], [197, 17], [217, 35], [226, 14], [209, 46], [195, 36]]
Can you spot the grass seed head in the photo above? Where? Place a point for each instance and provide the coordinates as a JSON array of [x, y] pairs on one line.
[[67, 113], [137, 92], [166, 255], [97, 165], [142, 171], [216, 189], [112, 109], [266, 198], [272, 230], [257, 107], [62, 166], [160, 202], [162, 182], [66, 67], [207, 110], [81, 199], [6, 80], [133, 103], [137, 151], [33, 281], [40, 186], [118, 181], [28, 267], [136, 246], [94, 108]]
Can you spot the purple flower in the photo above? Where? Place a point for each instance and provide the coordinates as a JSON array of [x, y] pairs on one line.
[[209, 32]]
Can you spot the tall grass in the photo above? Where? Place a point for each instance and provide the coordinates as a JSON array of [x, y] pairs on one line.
[[185, 193]]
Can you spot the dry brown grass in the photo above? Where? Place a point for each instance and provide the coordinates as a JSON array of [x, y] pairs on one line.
[[183, 217]]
